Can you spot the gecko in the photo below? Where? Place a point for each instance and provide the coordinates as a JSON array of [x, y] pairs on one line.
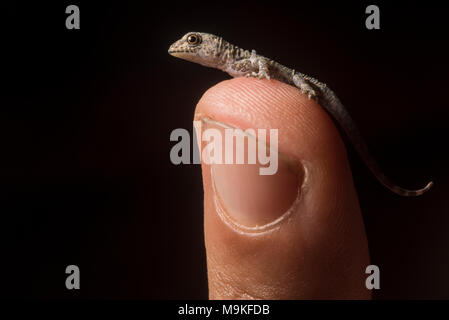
[[213, 51]]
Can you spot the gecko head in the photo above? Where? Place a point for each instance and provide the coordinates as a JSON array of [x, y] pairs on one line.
[[198, 47]]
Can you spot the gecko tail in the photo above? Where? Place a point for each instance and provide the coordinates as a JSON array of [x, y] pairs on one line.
[[332, 105], [405, 192]]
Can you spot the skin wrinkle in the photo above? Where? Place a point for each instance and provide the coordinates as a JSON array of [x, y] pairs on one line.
[[225, 284], [257, 285]]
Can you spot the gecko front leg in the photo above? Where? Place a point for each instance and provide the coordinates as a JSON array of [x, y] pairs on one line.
[[260, 64], [304, 86]]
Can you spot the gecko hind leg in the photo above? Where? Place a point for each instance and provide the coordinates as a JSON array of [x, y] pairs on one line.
[[305, 87], [263, 69]]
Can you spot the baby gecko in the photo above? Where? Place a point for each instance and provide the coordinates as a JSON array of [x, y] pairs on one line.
[[212, 51]]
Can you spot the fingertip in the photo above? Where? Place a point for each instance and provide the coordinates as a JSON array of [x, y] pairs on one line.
[[326, 213]]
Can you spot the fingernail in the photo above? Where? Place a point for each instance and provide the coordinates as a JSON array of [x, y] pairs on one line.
[[243, 194]]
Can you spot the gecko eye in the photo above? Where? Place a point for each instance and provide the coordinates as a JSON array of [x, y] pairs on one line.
[[193, 39]]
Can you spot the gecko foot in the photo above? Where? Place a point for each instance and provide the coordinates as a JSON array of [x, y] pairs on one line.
[[311, 94], [305, 87], [263, 75], [259, 75]]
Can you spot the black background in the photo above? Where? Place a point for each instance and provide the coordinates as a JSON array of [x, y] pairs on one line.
[[86, 116]]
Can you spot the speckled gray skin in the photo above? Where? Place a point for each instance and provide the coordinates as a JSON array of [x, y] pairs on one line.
[[212, 51]]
